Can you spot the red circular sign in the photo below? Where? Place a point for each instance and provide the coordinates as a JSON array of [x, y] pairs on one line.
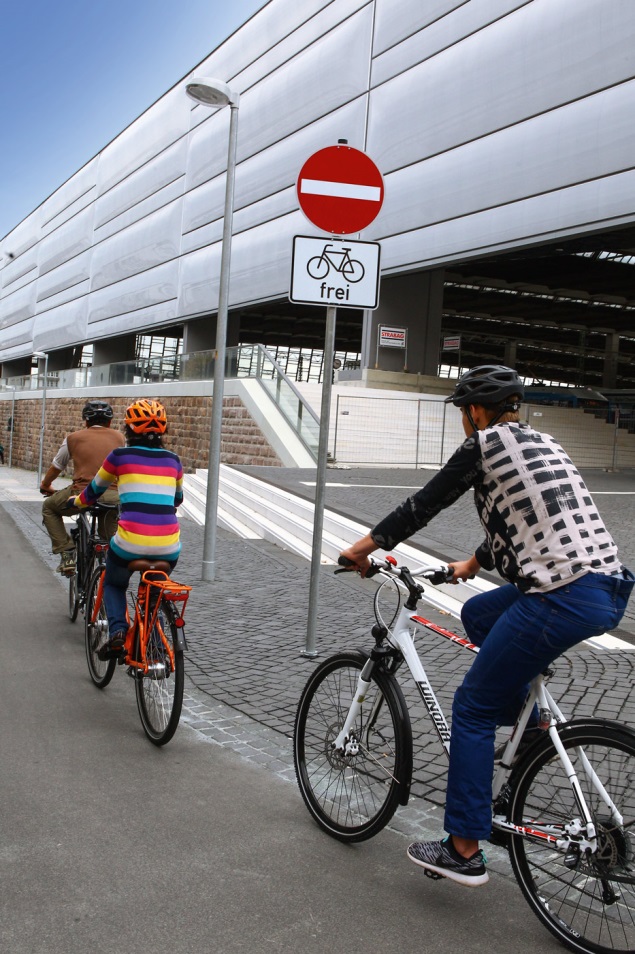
[[340, 190]]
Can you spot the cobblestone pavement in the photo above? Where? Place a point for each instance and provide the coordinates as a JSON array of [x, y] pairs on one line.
[[247, 629]]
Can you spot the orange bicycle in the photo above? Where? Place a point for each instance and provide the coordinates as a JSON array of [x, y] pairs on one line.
[[155, 644]]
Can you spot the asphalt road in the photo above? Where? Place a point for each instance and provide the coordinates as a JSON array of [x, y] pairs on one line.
[[111, 845]]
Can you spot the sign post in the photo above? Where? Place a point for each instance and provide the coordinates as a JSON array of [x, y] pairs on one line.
[[340, 190]]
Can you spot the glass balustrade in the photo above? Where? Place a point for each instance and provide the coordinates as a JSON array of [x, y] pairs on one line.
[[244, 361]]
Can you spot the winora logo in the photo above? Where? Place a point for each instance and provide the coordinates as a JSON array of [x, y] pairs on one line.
[[433, 708]]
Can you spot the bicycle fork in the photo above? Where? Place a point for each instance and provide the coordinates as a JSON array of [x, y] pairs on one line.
[[346, 743]]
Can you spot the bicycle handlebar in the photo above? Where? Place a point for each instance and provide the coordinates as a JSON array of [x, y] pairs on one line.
[[95, 508], [435, 574]]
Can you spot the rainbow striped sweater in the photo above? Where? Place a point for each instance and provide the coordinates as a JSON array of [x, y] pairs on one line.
[[150, 484]]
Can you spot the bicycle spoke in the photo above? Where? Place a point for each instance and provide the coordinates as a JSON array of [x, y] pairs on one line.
[[159, 685], [352, 793]]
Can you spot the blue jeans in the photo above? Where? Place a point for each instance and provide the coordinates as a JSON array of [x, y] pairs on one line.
[[518, 635], [116, 582]]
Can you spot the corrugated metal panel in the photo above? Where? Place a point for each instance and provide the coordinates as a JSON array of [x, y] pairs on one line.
[[66, 322], [150, 242], [152, 287], [497, 123], [396, 20], [67, 241]]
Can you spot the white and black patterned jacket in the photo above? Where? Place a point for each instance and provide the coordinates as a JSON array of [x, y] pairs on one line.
[[541, 526]]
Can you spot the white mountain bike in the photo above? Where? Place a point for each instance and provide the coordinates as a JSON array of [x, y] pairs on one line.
[[565, 809]]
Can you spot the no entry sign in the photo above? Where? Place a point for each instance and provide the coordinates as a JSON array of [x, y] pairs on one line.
[[340, 189]]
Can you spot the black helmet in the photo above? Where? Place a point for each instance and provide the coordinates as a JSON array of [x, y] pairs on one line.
[[97, 411], [488, 385]]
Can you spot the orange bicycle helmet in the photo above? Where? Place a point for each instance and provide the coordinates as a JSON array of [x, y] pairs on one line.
[[146, 417]]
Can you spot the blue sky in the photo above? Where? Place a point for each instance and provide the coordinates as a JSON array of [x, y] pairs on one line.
[[74, 73]]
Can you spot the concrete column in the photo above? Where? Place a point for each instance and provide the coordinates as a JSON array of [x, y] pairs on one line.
[[114, 350], [413, 302], [65, 359], [199, 334], [611, 357], [17, 368], [511, 349]]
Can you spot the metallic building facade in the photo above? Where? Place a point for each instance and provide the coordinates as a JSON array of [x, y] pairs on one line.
[[497, 124]]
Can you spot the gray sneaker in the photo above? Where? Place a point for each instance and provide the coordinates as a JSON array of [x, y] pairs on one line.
[[67, 563], [441, 860]]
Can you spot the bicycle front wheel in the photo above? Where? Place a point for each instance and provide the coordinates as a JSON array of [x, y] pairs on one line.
[[587, 901], [96, 633], [352, 795], [160, 689]]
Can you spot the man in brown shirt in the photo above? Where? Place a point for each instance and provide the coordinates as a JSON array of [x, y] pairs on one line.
[[87, 449]]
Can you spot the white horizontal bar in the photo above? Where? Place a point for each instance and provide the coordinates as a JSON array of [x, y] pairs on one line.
[[340, 190]]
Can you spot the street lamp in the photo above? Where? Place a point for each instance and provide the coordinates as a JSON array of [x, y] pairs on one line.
[[214, 93], [39, 355], [9, 388]]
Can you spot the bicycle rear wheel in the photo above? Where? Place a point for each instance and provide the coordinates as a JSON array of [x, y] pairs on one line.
[[96, 633], [352, 796], [160, 690], [73, 597], [588, 902]]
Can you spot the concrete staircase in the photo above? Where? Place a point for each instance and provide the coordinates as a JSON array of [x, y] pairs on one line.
[[242, 440], [254, 509]]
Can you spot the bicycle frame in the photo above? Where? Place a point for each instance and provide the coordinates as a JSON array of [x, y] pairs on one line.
[[580, 831], [147, 606]]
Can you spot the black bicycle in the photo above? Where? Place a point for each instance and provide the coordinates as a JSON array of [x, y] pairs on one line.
[[91, 549]]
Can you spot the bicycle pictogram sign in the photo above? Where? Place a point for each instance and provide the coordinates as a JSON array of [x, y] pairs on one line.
[[335, 272], [338, 259]]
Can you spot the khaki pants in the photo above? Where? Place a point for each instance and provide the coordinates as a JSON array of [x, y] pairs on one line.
[[54, 508]]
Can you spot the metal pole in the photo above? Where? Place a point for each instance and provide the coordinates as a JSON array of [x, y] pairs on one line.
[[417, 441], [320, 480], [12, 428], [39, 466], [213, 473], [615, 438]]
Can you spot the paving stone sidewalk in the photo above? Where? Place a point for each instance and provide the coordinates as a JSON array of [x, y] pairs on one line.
[[247, 629]]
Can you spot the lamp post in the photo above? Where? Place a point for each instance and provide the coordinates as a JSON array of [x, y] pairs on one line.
[[214, 93], [40, 355], [9, 388]]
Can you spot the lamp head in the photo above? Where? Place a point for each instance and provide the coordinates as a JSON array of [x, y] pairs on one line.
[[211, 92]]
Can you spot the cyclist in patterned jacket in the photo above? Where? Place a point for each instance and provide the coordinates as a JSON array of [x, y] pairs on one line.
[[150, 481], [564, 583]]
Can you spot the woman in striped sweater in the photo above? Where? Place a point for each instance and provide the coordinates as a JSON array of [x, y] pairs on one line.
[[150, 482]]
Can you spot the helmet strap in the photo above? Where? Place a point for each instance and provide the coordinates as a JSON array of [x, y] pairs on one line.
[[505, 408], [468, 414]]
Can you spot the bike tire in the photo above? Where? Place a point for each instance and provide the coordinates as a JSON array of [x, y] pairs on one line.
[[318, 267], [160, 691], [96, 633], [353, 271], [584, 906], [352, 797], [73, 597], [74, 579]]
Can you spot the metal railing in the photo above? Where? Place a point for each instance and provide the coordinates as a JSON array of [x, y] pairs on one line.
[[420, 432]]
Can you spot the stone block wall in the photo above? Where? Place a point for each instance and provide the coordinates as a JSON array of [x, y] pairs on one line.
[[242, 441]]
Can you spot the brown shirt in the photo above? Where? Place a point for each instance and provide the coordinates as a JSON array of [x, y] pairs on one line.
[[88, 449]]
